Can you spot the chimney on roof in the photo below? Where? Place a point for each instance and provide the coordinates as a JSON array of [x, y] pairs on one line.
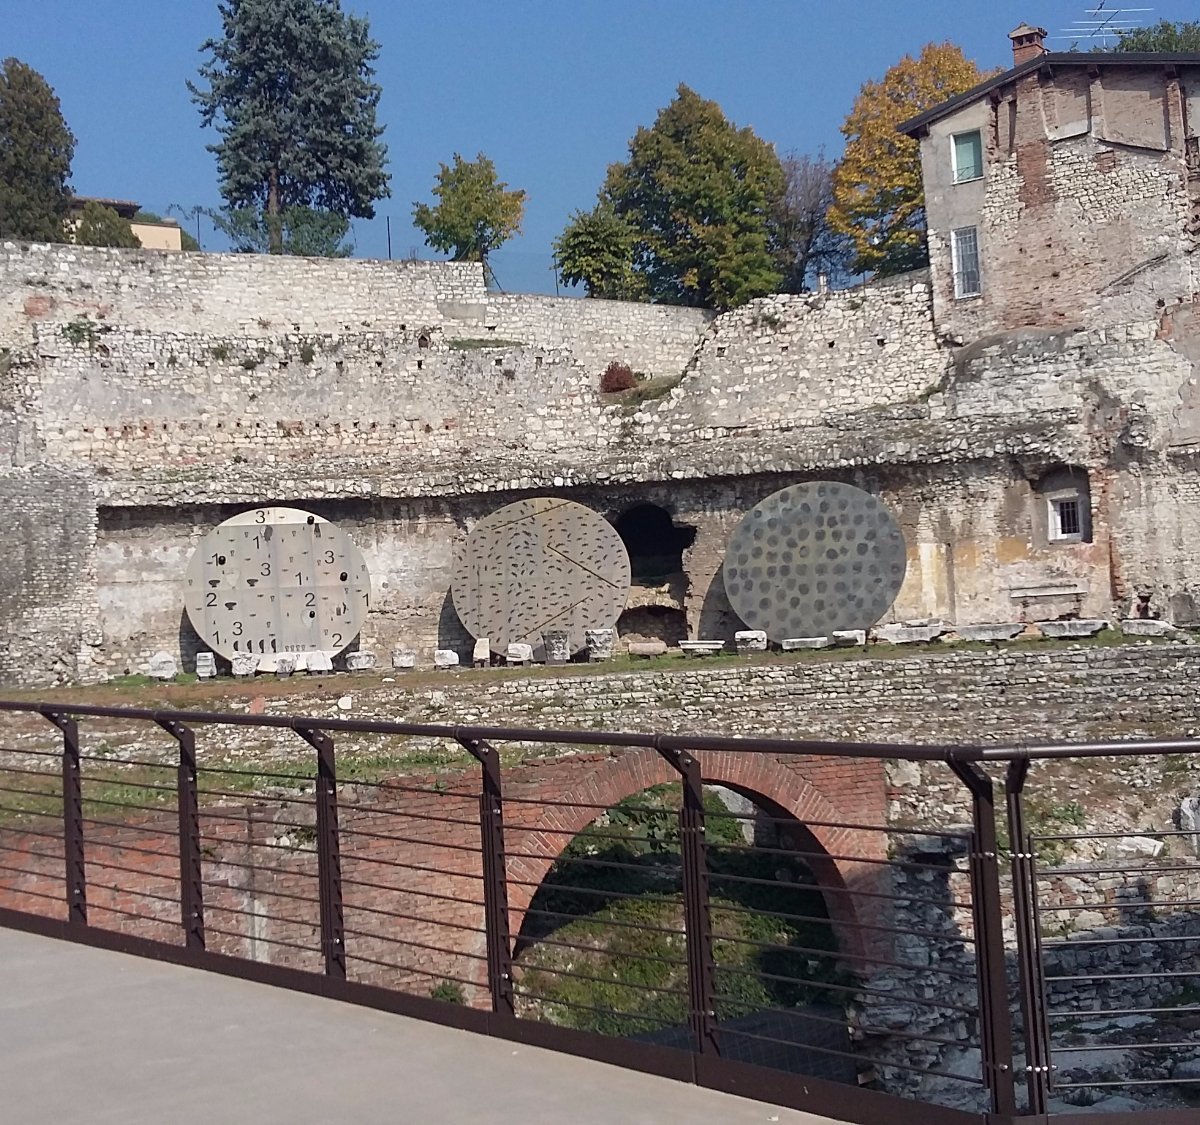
[[1028, 43]]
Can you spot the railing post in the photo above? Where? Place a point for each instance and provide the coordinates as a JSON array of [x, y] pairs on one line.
[[697, 921], [1029, 945], [72, 797], [191, 881], [495, 877], [329, 859], [995, 1017]]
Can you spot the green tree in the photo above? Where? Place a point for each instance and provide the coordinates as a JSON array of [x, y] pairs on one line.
[[303, 231], [699, 194], [596, 250], [474, 213], [102, 226], [878, 196], [290, 91], [35, 157], [1163, 37], [186, 241]]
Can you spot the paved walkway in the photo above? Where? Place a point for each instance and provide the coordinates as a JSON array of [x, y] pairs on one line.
[[87, 1035]]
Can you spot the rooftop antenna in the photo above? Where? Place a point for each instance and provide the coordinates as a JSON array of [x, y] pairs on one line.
[[1103, 24]]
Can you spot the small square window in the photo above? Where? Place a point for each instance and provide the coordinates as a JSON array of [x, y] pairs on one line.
[[1066, 518], [964, 252], [967, 156]]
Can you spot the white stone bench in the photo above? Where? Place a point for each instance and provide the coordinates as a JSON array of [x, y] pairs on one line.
[[701, 648]]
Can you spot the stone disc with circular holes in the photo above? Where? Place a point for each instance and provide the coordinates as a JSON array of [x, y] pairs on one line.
[[540, 564], [814, 559], [277, 580]]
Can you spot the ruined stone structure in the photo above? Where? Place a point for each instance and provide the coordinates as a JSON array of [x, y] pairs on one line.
[[1038, 442]]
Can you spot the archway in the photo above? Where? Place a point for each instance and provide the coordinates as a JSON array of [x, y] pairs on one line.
[[655, 544], [597, 911]]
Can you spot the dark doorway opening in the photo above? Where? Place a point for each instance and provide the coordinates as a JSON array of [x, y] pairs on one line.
[[654, 543]]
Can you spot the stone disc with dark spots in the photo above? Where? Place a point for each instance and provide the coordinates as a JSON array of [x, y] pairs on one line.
[[814, 559], [536, 565], [277, 580]]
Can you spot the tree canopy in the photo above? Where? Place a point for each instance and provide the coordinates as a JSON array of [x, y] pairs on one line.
[[596, 250], [805, 244], [878, 196], [290, 91], [475, 212], [1164, 37], [697, 193], [35, 157], [303, 231], [102, 226]]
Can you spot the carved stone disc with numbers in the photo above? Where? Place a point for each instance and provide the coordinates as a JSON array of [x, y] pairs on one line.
[[540, 564], [277, 580], [815, 559]]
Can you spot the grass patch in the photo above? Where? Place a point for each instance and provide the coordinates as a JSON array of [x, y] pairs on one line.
[[475, 343], [645, 391]]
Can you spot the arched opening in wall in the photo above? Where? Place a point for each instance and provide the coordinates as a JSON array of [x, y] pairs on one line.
[[652, 623], [1063, 511], [602, 946], [655, 544]]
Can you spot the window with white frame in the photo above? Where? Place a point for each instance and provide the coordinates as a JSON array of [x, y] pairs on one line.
[[1067, 496], [964, 251], [966, 155]]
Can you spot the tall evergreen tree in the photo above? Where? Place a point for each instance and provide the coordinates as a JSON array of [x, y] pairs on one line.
[[290, 91], [35, 157]]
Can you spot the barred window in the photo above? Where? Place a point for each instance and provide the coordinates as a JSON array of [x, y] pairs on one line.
[[964, 249]]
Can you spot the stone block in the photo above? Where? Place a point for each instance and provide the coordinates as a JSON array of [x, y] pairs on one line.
[[318, 662], [345, 702], [849, 638], [701, 648], [1003, 631], [1081, 628], [1189, 820], [520, 654], [647, 648], [796, 644], [285, 665], [163, 666], [445, 658], [481, 655], [406, 658], [600, 643], [908, 634], [1141, 627], [557, 643], [244, 664], [206, 665], [360, 661], [750, 640], [1134, 847]]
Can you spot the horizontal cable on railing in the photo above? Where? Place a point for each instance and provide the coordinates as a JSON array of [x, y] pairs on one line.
[[263, 892], [258, 867], [217, 908], [33, 874], [352, 956], [474, 849], [31, 812], [574, 1005], [31, 853], [593, 949], [856, 1057], [95, 886], [1148, 939], [408, 943], [359, 857], [825, 889], [642, 926], [129, 826], [632, 986], [366, 813], [138, 763], [55, 775], [258, 799], [596, 891], [349, 882], [591, 861], [350, 906], [58, 898], [835, 955], [257, 940], [954, 938]]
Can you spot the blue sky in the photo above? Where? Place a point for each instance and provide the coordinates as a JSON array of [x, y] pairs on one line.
[[551, 91]]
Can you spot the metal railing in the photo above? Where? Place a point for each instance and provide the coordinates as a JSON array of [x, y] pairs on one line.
[[735, 912]]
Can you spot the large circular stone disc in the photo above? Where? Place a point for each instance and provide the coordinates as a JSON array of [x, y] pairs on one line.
[[814, 559], [540, 564], [276, 580]]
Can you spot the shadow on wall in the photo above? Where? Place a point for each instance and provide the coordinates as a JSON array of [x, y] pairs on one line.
[[451, 632], [718, 619], [652, 623], [191, 643]]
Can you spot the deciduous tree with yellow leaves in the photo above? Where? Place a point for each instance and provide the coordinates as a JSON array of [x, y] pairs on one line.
[[878, 199]]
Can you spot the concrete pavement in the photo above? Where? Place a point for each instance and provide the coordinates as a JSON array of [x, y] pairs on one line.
[[110, 1039]]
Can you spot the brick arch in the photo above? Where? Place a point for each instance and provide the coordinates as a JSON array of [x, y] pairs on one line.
[[843, 861]]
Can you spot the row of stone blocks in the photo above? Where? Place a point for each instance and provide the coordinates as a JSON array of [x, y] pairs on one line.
[[602, 642]]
